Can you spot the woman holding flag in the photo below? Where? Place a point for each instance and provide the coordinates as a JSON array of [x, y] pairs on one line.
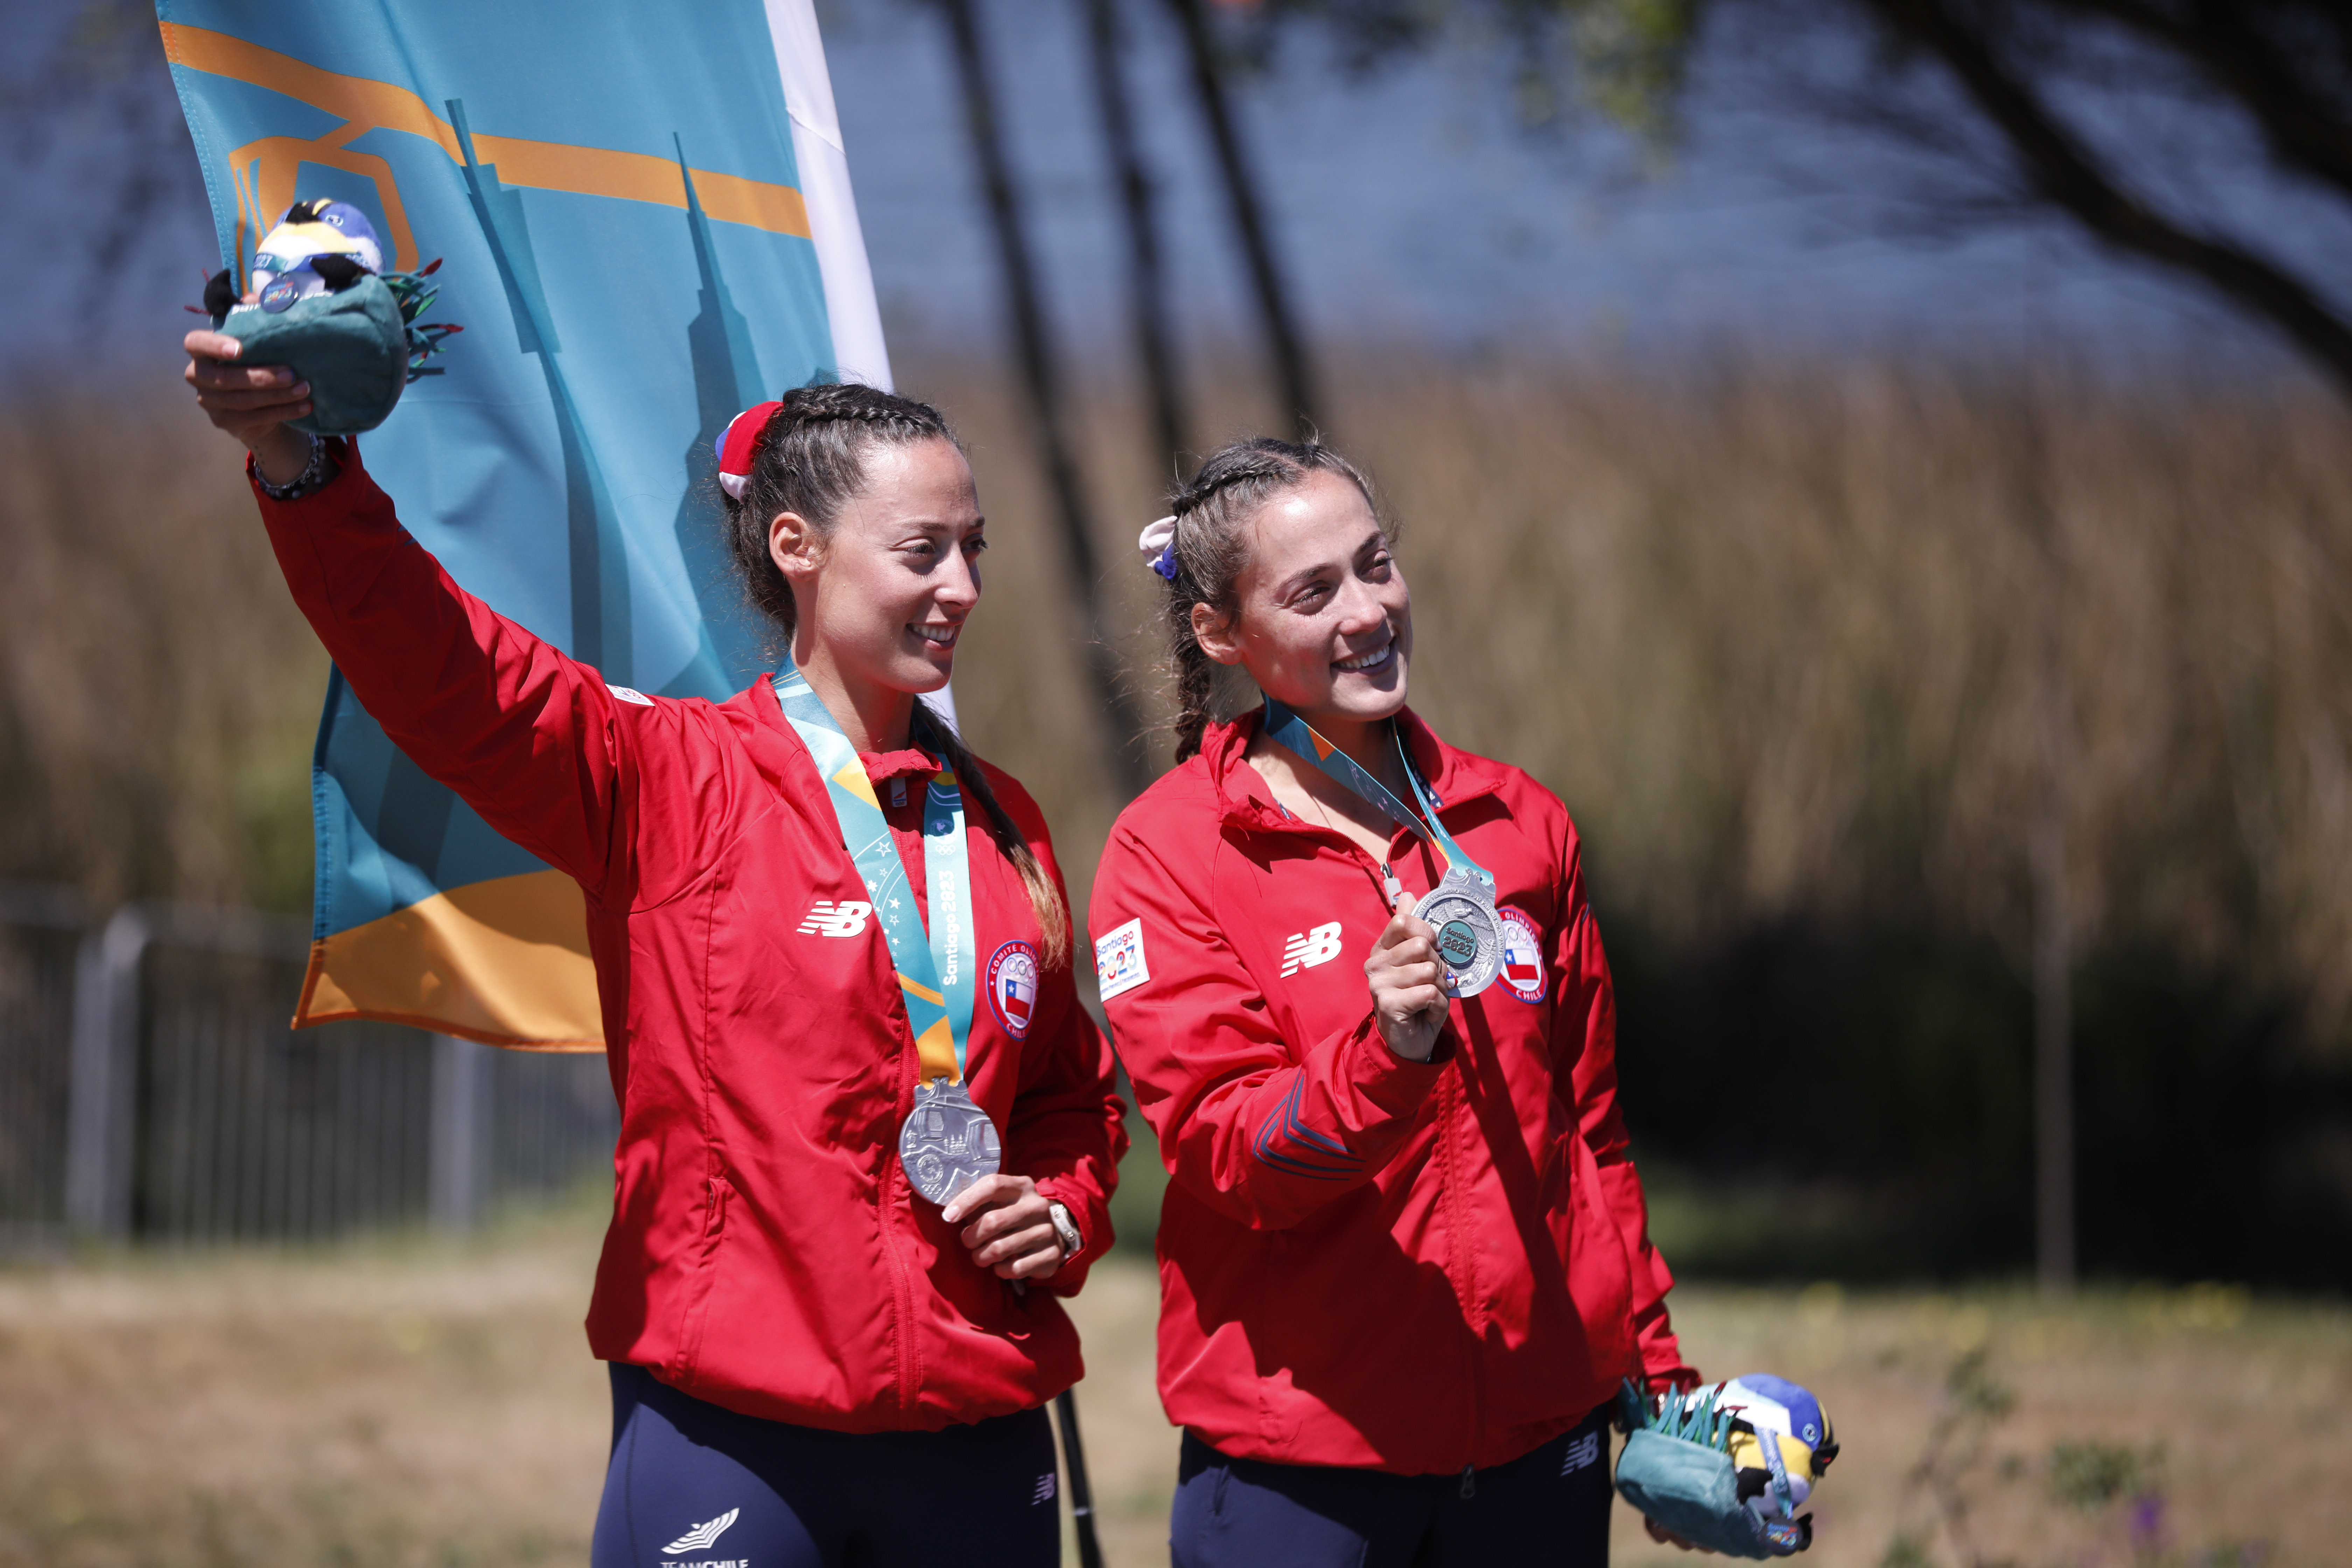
[[867, 1135], [1353, 975]]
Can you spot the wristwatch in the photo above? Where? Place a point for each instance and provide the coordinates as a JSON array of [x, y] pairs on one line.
[[1065, 1228]]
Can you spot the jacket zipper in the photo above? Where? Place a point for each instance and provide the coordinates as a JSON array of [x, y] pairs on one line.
[[886, 1210], [1465, 1269], [1383, 874]]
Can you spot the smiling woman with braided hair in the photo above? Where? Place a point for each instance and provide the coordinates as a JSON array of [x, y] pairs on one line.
[[868, 1134], [1404, 1260]]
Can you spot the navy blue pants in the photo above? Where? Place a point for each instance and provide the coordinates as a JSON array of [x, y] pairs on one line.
[[1550, 1505], [693, 1486]]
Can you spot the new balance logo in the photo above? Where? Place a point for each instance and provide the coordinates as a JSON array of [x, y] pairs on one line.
[[826, 918], [1585, 1450], [701, 1537], [1044, 1492], [1309, 949]]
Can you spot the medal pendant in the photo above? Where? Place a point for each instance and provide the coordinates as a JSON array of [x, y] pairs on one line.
[[1469, 933], [947, 1143]]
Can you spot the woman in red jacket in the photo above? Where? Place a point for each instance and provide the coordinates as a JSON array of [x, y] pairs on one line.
[[1405, 1256], [849, 1193]]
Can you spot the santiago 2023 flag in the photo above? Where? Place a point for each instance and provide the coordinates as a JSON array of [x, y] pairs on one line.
[[645, 223]]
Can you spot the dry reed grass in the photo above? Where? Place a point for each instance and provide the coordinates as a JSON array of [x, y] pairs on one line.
[[1788, 635], [1827, 637], [158, 689]]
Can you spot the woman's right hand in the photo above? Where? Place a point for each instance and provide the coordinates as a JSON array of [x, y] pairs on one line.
[[1409, 1004], [252, 403]]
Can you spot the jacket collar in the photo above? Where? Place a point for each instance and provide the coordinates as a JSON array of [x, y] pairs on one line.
[[1453, 776], [881, 767]]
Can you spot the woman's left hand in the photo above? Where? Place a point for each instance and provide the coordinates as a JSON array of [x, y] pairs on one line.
[[1009, 1229]]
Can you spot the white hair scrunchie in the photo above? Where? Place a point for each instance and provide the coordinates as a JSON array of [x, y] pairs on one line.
[[1158, 543]]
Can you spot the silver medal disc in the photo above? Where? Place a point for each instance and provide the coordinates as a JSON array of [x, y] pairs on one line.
[[947, 1142], [1469, 933]]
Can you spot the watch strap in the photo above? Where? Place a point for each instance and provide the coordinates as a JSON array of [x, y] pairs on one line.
[[1066, 1229]]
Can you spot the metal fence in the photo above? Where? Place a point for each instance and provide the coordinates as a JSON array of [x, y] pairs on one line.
[[40, 929], [149, 1089]]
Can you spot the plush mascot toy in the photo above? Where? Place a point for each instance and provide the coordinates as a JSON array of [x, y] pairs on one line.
[[321, 303], [1727, 1463]]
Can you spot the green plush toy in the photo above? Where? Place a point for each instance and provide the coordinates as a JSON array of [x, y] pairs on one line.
[[1727, 1465], [322, 305]]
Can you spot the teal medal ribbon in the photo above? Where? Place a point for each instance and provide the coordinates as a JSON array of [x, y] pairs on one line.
[[948, 1142], [1461, 908]]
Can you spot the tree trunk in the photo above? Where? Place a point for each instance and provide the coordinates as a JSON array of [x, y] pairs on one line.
[[2053, 1055], [1033, 341], [1291, 367], [1147, 276], [2052, 961]]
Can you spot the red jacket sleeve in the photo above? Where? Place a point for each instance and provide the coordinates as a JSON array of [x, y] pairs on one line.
[[1263, 1130], [1070, 1125], [1584, 1043], [532, 740]]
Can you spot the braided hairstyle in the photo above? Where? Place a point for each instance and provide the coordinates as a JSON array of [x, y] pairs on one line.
[[810, 459], [1211, 549]]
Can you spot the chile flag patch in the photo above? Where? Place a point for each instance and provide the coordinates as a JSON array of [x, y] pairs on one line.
[[1523, 957], [1012, 987]]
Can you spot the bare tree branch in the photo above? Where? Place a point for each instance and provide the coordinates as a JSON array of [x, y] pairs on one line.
[[1058, 443], [2304, 131], [2065, 173], [1146, 265], [1287, 343]]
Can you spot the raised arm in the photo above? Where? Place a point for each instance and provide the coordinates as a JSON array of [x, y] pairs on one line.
[[528, 738], [1262, 1129]]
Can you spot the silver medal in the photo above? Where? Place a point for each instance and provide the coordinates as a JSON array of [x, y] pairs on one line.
[[1469, 933], [947, 1142]]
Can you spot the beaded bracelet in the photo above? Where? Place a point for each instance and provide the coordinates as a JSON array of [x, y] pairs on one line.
[[313, 474]]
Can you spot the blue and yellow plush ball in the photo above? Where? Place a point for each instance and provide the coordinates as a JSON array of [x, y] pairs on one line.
[[316, 247], [320, 302], [1780, 1442]]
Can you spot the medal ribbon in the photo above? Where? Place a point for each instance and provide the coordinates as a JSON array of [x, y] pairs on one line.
[[938, 970], [1291, 730]]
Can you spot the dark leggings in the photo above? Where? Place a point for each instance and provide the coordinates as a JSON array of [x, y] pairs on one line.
[[1550, 1505], [693, 1486]]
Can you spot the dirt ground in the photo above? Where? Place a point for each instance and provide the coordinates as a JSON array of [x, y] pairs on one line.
[[421, 1402]]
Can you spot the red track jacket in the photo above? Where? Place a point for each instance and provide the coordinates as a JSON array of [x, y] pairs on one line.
[[1365, 1260], [765, 1252]]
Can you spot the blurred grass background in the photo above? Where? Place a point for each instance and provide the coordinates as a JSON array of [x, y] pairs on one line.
[[402, 1402], [1806, 645]]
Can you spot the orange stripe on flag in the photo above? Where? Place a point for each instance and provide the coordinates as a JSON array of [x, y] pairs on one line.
[[504, 961], [366, 105]]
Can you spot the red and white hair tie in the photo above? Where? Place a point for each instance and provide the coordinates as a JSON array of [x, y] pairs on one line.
[[739, 445]]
